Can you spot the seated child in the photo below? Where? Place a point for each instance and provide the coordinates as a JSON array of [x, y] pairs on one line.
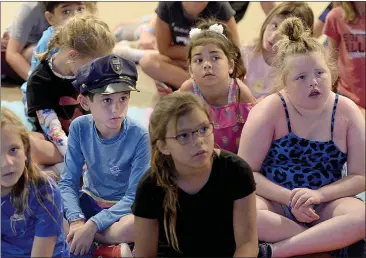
[[297, 141], [258, 56], [194, 200], [173, 23], [216, 70], [56, 13], [116, 151], [345, 27], [31, 205], [23, 34], [51, 98]]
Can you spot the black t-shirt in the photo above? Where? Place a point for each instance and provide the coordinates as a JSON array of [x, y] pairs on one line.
[[204, 223], [173, 14], [240, 8], [45, 90]]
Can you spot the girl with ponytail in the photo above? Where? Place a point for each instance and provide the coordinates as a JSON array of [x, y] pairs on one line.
[[51, 98], [297, 142]]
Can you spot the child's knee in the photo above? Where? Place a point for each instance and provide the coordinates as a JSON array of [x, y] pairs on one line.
[[126, 226], [150, 61], [127, 220]]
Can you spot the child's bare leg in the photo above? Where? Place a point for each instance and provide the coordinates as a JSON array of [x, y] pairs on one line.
[[44, 152], [272, 225], [130, 30], [162, 68], [341, 223], [120, 232]]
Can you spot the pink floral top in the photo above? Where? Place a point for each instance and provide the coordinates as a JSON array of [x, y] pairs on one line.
[[229, 119]]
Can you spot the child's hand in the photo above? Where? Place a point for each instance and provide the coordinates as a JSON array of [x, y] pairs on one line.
[[73, 226], [305, 214], [82, 238], [304, 197]]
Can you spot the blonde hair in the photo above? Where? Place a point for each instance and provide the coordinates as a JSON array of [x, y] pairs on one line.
[[286, 9], [350, 12], [91, 7], [162, 166], [227, 45], [297, 40], [32, 176], [86, 34]]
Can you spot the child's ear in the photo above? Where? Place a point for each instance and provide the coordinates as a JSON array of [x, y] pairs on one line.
[[162, 147], [49, 17], [190, 72], [73, 54], [231, 66], [84, 102]]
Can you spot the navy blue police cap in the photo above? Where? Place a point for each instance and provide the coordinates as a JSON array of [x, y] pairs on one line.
[[106, 75]]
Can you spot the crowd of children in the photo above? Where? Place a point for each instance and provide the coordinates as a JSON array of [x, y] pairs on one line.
[[246, 159]]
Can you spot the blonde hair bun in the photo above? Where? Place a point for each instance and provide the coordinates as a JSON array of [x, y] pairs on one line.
[[294, 29]]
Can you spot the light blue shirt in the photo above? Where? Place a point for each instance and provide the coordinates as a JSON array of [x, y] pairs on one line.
[[114, 168]]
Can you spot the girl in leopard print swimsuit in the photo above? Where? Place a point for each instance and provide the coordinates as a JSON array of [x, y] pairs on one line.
[[296, 142]]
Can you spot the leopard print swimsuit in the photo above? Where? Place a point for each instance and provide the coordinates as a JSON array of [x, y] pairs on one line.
[[295, 162]]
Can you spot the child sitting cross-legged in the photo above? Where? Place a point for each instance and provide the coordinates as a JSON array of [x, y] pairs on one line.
[[116, 151]]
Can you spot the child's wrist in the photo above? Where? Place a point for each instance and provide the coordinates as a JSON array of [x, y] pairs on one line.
[[93, 227], [77, 221]]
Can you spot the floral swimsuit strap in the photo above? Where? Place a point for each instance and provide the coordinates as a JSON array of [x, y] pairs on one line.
[[233, 91]]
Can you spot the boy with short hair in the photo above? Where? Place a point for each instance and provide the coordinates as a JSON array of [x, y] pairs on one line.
[[116, 151]]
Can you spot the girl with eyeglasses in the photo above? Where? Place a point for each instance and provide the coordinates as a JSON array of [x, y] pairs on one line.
[[194, 200]]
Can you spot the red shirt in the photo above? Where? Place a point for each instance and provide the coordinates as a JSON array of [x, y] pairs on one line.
[[351, 54]]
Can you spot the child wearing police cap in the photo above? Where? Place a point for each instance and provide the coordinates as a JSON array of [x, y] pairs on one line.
[[116, 151]]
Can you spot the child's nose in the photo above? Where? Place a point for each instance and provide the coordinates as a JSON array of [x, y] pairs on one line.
[[207, 64]]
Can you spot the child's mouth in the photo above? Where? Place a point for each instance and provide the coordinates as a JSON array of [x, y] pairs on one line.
[[208, 74], [314, 94]]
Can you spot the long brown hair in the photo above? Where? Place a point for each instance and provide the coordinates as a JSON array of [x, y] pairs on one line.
[[297, 40], [227, 45], [286, 9], [86, 34], [32, 176], [169, 108]]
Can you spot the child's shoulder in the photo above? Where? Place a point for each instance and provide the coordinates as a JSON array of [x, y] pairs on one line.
[[43, 42], [230, 165], [248, 50], [347, 108], [267, 109], [82, 122], [149, 181], [187, 86], [43, 189], [231, 159], [42, 73], [336, 13]]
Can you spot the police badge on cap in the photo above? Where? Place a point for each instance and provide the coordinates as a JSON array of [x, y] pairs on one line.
[[116, 65]]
